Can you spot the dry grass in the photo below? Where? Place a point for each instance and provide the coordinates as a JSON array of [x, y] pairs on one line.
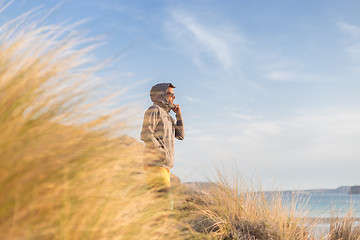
[[344, 229], [63, 173], [230, 210]]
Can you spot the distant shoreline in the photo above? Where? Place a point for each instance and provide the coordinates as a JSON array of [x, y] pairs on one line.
[[341, 189], [328, 220]]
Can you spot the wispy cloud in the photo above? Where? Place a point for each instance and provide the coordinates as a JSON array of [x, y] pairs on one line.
[[353, 43], [336, 123], [307, 136], [323, 138], [191, 99], [202, 40], [261, 128], [121, 8], [351, 29], [245, 117], [287, 76]]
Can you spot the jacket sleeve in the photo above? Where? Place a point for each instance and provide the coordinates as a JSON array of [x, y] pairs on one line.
[[151, 120], [179, 128]]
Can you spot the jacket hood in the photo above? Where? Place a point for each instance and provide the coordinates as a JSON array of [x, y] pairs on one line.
[[158, 95]]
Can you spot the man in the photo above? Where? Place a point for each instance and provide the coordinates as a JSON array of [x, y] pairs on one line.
[[158, 133]]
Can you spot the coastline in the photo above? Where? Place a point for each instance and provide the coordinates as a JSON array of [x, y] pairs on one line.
[[328, 220]]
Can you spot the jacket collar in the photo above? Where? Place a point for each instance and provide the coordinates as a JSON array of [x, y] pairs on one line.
[[164, 106]]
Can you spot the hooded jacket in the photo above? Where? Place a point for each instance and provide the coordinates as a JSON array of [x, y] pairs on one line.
[[159, 129]]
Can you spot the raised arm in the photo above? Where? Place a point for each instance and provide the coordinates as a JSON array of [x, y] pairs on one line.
[[179, 127]]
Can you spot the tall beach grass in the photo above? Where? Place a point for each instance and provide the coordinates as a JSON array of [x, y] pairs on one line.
[[344, 228], [231, 209], [65, 172]]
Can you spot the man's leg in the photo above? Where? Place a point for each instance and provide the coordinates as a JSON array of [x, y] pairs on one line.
[[158, 178]]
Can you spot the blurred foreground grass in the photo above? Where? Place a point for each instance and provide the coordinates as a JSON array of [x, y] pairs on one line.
[[66, 174]]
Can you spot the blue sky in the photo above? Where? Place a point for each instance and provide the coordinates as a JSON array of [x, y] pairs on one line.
[[271, 87]]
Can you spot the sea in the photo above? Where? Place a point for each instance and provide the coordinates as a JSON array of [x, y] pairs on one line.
[[324, 206]]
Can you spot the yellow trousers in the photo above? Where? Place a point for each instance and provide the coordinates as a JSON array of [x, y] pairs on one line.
[[158, 178]]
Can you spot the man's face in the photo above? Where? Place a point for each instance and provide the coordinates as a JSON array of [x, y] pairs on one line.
[[170, 95]]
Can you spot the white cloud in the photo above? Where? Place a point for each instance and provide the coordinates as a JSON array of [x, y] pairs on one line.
[[353, 43], [202, 41], [288, 76], [191, 99], [121, 8], [245, 117], [282, 68], [305, 137], [332, 125], [278, 75], [351, 29], [309, 140], [261, 128]]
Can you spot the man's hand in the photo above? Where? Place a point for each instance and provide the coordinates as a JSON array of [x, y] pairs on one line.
[[176, 109]]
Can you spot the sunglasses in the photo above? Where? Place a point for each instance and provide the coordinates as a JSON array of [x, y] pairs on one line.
[[170, 93]]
